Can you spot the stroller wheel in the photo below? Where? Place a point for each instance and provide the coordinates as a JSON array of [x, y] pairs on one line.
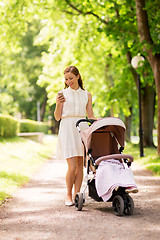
[[118, 205], [79, 201], [128, 205]]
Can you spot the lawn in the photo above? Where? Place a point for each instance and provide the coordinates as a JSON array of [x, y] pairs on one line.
[[19, 159], [150, 160]]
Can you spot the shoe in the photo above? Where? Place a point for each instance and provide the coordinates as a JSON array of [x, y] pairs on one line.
[[131, 190], [69, 203]]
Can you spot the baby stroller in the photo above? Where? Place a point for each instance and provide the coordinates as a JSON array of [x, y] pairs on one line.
[[103, 141]]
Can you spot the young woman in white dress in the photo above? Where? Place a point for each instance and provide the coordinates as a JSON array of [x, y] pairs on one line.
[[72, 104]]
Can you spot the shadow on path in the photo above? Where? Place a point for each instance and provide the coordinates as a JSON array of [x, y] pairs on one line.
[[37, 211]]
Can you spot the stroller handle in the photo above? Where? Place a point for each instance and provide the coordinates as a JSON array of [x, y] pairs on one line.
[[85, 120], [115, 156]]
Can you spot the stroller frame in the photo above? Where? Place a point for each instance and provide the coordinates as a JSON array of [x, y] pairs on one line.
[[122, 202]]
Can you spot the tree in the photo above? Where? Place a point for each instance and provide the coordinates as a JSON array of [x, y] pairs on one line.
[[20, 68], [30, 65], [115, 19], [91, 26], [91, 50], [151, 47]]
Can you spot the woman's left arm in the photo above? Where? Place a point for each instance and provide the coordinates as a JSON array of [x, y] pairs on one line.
[[89, 108]]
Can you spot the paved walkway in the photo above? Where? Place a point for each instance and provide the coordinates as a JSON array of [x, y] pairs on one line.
[[37, 211]]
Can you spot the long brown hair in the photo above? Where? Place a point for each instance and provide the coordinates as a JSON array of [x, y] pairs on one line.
[[75, 71]]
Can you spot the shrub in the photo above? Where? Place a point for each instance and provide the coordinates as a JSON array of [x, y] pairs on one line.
[[8, 126], [27, 125]]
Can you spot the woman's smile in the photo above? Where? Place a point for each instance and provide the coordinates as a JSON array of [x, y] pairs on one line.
[[72, 80]]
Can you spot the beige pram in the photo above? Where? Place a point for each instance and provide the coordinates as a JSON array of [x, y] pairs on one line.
[[104, 143]]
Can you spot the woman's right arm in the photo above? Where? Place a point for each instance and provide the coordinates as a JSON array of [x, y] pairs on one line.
[[59, 105]]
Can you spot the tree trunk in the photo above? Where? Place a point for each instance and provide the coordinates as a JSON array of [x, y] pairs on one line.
[[55, 126], [128, 121], [153, 59], [156, 71], [148, 110], [148, 107], [43, 108]]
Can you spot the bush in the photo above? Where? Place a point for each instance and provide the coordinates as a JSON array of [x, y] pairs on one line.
[[8, 126], [27, 125]]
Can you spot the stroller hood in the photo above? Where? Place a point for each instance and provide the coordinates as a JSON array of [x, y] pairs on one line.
[[110, 124]]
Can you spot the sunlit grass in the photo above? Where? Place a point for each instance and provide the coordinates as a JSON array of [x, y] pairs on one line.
[[150, 160], [19, 159]]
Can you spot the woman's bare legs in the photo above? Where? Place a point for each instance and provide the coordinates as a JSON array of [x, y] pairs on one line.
[[70, 176], [74, 175], [78, 175]]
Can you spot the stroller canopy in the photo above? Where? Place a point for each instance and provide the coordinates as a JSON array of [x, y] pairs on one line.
[[100, 133]]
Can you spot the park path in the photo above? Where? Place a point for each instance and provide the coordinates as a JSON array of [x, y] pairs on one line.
[[37, 211]]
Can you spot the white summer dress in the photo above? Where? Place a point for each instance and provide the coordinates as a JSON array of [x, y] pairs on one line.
[[69, 142]]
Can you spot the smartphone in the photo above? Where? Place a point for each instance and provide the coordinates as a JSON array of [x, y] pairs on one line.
[[60, 94]]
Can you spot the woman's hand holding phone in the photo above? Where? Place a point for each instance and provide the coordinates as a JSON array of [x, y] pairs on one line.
[[60, 97]]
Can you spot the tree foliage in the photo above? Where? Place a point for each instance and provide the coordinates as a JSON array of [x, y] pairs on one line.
[[99, 37], [20, 68]]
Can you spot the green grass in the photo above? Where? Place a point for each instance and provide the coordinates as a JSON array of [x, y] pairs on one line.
[[151, 160], [19, 159]]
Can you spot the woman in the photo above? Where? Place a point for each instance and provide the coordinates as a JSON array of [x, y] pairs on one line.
[[72, 104]]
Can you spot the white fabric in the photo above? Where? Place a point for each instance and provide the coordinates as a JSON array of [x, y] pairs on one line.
[[69, 140], [75, 104], [111, 174]]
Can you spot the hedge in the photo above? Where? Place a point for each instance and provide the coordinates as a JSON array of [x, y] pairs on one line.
[[27, 125], [9, 126]]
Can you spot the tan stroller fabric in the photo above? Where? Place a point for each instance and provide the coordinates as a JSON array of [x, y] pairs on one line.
[[104, 139]]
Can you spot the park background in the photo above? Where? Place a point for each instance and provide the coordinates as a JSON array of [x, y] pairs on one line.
[[40, 38]]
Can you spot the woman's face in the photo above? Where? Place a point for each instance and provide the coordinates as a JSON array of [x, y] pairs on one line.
[[71, 80]]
